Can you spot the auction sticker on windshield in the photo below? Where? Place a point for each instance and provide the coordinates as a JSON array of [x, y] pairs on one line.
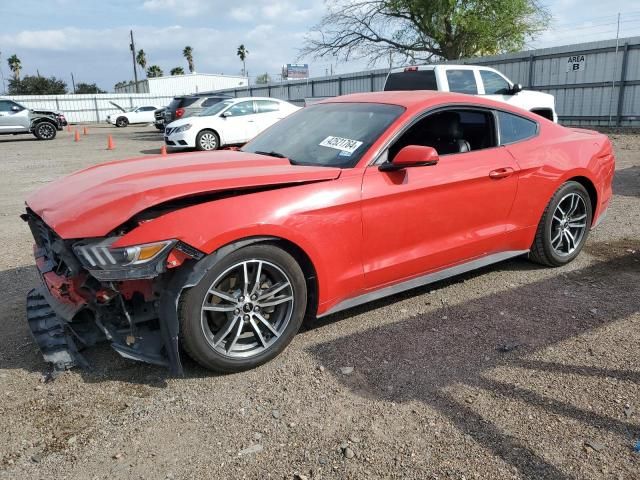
[[342, 144]]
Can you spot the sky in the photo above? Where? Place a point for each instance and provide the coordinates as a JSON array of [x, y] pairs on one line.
[[90, 38]]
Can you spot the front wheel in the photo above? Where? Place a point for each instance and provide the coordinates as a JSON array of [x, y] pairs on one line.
[[122, 122], [564, 227], [207, 140], [45, 131], [246, 309]]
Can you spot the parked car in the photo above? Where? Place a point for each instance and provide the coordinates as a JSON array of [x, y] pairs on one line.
[[132, 115], [158, 118], [472, 80], [231, 122], [188, 105], [17, 119], [343, 202]]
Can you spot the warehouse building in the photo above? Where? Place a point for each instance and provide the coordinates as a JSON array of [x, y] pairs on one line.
[[184, 84]]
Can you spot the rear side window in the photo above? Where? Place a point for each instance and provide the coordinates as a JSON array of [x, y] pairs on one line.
[[241, 109], [514, 128], [462, 81], [212, 101], [494, 84], [266, 106], [412, 80]]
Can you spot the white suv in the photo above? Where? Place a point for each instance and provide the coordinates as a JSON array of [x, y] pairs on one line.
[[473, 80]]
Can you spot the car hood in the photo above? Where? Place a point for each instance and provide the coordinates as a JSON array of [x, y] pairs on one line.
[[95, 201]]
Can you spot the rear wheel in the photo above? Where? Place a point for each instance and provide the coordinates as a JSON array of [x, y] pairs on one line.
[[45, 131], [564, 226], [245, 310], [122, 122], [207, 140]]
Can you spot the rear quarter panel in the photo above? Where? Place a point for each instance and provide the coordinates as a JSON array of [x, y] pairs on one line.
[[557, 155]]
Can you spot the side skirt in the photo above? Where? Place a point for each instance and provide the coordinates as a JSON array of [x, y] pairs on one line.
[[423, 280]]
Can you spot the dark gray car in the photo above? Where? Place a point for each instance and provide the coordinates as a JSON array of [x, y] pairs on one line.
[[188, 105]]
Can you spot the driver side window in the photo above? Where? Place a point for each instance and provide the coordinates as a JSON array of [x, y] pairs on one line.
[[242, 108], [450, 131]]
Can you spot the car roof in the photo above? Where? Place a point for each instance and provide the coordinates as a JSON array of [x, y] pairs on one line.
[[413, 99], [444, 65]]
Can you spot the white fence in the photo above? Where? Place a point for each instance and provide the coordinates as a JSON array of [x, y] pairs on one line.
[[91, 107]]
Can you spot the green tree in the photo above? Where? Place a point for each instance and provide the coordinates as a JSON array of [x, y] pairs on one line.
[[420, 30], [154, 71], [88, 88], [177, 71], [141, 59], [37, 85], [15, 65], [263, 78], [242, 54], [187, 53]]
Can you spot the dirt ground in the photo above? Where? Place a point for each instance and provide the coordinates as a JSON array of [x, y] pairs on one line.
[[511, 372]]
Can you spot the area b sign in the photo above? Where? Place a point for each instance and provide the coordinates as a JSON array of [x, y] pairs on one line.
[[576, 63]]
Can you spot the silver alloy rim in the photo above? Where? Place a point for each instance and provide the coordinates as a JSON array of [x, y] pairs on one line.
[[208, 141], [568, 225], [247, 308], [46, 131]]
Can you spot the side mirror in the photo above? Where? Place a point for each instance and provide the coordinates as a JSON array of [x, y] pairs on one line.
[[227, 114], [516, 88], [411, 156], [15, 108]]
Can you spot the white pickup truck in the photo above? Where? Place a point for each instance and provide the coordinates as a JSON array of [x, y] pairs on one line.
[[473, 80]]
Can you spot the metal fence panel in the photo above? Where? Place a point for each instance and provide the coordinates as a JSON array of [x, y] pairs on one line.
[[588, 96]]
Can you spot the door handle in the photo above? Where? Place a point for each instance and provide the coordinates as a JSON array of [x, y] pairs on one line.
[[501, 173]]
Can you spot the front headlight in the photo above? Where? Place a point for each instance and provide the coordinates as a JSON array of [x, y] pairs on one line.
[[107, 263], [182, 128]]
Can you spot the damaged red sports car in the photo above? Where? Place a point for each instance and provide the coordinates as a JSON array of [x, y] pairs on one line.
[[346, 201]]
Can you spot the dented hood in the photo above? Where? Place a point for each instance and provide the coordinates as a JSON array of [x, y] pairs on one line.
[[94, 201]]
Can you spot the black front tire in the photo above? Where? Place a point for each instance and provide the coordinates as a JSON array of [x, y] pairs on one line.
[[542, 250], [122, 122], [45, 131], [207, 140], [193, 337]]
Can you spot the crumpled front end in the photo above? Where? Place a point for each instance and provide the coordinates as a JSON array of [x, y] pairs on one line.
[[91, 292]]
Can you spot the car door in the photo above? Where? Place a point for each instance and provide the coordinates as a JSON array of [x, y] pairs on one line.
[[13, 117], [268, 113], [239, 122], [146, 114], [427, 218], [496, 87]]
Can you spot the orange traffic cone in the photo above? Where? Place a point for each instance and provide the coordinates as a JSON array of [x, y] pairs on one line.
[[110, 144], [163, 150], [76, 137], [85, 131]]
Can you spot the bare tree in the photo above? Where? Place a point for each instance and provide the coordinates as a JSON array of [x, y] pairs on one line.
[[419, 30]]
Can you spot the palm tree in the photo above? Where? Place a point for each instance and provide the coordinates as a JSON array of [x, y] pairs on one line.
[[242, 53], [141, 59], [188, 54], [15, 65], [177, 71], [154, 71]]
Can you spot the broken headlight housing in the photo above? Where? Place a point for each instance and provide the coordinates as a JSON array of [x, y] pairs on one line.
[[107, 263]]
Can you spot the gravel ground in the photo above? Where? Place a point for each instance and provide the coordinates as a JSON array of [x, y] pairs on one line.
[[510, 372]]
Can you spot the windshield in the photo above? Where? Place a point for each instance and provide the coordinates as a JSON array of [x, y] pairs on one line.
[[328, 134], [215, 109]]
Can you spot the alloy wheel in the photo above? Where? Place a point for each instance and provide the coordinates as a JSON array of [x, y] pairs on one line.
[[247, 308], [568, 224], [208, 141], [46, 131]]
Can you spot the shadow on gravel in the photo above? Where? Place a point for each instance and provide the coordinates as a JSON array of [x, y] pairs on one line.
[[421, 357], [627, 182]]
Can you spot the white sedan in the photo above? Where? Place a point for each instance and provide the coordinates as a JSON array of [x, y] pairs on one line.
[[132, 115], [231, 122]]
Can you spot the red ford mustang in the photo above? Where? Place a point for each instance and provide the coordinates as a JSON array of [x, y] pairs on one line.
[[343, 202]]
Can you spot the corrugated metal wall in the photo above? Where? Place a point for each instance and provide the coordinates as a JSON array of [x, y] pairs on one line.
[[184, 84], [605, 92], [89, 108]]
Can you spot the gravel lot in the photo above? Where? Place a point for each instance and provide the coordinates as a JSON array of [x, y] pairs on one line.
[[513, 371]]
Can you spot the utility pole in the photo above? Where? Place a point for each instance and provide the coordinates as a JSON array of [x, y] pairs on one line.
[[73, 83], [132, 46]]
